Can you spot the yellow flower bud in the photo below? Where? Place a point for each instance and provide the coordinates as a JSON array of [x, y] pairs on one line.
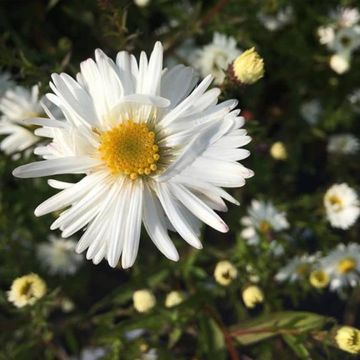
[[26, 290], [225, 272], [348, 339], [278, 151], [144, 300], [319, 279], [252, 295], [248, 67], [174, 298]]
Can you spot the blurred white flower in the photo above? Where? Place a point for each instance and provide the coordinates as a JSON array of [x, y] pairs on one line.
[[311, 111], [340, 63], [154, 151], [342, 206], [59, 256], [354, 99], [215, 57], [278, 20], [263, 218], [142, 3], [6, 83], [149, 355], [143, 300], [345, 144], [297, 268], [90, 353], [345, 17], [346, 40], [342, 265], [18, 105], [326, 34]]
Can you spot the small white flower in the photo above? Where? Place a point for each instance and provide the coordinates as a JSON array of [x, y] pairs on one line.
[[345, 144], [342, 206], [90, 353], [343, 266], [262, 218], [278, 20], [5, 83], [326, 34], [340, 63], [311, 111], [354, 99], [297, 268], [215, 57], [59, 256], [345, 17], [142, 3], [18, 105], [153, 149], [346, 40]]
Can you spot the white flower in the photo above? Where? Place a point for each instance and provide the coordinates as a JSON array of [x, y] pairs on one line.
[[18, 105], [340, 63], [346, 144], [142, 3], [90, 353], [153, 150], [311, 111], [5, 83], [59, 256], [262, 218], [345, 17], [354, 99], [278, 20], [342, 206], [326, 34], [346, 40], [342, 265], [215, 57], [297, 268]]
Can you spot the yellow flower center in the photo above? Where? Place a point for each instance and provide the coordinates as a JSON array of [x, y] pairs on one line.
[[264, 227], [129, 149], [335, 200], [319, 279], [302, 269], [346, 265], [26, 289]]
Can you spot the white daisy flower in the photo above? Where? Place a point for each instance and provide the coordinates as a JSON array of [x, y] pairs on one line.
[[345, 144], [5, 83], [311, 111], [342, 265], [215, 57], [326, 34], [342, 206], [277, 21], [297, 268], [345, 17], [17, 106], [340, 63], [346, 40], [59, 256], [153, 149], [263, 218]]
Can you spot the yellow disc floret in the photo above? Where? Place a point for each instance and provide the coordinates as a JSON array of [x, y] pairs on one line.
[[346, 265], [129, 149]]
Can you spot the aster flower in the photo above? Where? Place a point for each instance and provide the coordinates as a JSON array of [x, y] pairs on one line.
[[297, 268], [26, 290], [215, 57], [59, 256], [345, 17], [340, 63], [342, 206], [278, 20], [311, 111], [344, 144], [346, 40], [342, 266], [153, 150], [263, 218], [17, 106]]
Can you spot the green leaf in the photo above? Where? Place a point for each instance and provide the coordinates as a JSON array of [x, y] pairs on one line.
[[267, 326], [212, 340], [297, 346]]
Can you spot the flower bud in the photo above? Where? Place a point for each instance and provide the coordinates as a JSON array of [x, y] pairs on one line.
[[144, 300], [348, 339], [252, 295], [225, 272]]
